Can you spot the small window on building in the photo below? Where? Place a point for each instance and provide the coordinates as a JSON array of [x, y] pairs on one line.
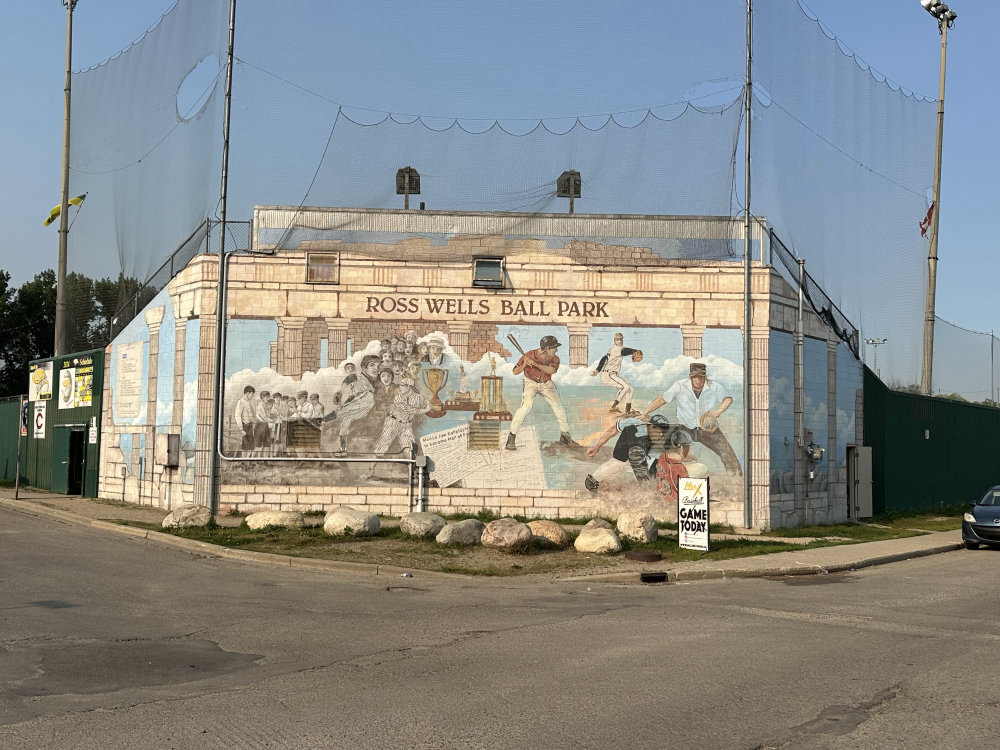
[[488, 272], [323, 268]]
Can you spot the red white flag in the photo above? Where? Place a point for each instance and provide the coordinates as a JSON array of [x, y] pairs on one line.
[[926, 223]]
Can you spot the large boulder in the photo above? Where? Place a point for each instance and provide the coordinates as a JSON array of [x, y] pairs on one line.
[[421, 524], [597, 523], [507, 535], [637, 525], [187, 516], [469, 531], [347, 521], [549, 534], [598, 541], [283, 518]]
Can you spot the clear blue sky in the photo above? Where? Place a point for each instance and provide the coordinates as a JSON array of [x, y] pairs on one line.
[[896, 37]]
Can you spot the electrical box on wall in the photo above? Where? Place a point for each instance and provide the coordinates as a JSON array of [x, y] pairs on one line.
[[168, 450]]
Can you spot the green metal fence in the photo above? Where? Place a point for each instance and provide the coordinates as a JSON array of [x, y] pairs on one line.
[[65, 455], [10, 430], [926, 451]]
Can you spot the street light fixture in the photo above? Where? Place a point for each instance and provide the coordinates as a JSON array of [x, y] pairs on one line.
[[946, 19], [407, 184], [876, 343], [940, 11], [568, 186]]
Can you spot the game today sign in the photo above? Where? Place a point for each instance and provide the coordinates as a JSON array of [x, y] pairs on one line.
[[692, 513]]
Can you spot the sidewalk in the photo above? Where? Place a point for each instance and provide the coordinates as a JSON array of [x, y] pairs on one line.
[[101, 514]]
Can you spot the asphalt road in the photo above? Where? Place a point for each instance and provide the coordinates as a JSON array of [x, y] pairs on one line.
[[107, 641]]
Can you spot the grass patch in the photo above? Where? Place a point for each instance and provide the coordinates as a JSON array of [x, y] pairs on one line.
[[390, 547], [856, 532], [393, 548], [891, 525], [944, 518], [720, 549]]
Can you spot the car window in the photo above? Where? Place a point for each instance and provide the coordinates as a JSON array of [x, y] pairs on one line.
[[992, 497]]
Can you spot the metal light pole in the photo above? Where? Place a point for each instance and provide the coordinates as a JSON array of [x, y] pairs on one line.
[[946, 19], [875, 343], [215, 441], [59, 345], [747, 285]]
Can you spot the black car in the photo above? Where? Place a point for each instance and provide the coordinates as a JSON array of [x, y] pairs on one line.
[[981, 525]]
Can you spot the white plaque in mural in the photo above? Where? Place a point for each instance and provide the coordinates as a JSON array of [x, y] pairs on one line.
[[692, 513], [450, 459], [128, 388], [453, 462]]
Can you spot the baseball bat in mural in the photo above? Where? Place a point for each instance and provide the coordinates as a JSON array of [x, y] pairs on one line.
[[510, 337]]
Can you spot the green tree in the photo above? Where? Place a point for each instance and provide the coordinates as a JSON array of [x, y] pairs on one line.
[[96, 311], [27, 328]]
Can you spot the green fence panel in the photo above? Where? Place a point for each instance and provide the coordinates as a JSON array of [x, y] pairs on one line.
[[928, 452], [10, 430]]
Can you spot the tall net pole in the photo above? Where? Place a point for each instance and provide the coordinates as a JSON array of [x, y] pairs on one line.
[[220, 306], [747, 302], [59, 345]]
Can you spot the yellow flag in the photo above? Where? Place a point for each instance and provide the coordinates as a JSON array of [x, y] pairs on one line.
[[54, 214]]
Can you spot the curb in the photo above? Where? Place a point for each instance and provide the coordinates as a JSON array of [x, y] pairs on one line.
[[219, 552], [713, 574]]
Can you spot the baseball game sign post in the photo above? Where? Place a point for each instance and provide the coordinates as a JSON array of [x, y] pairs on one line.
[[692, 513], [22, 431]]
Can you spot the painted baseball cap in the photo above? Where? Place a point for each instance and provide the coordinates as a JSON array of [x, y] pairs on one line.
[[698, 368]]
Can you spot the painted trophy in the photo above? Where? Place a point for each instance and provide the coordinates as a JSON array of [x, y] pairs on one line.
[[435, 378]]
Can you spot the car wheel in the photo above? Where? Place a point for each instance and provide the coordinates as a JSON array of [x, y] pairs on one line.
[[971, 545]]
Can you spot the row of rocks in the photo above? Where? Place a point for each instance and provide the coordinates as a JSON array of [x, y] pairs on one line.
[[506, 534]]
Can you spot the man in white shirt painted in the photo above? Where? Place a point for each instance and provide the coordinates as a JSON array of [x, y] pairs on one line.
[[700, 403]]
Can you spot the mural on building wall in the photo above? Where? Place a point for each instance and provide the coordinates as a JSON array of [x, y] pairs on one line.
[[816, 411], [492, 405]]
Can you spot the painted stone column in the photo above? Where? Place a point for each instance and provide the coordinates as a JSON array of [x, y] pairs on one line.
[[336, 347], [692, 336], [112, 484], [154, 318], [204, 417], [177, 412], [579, 343], [458, 338], [760, 426], [290, 346], [273, 346]]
